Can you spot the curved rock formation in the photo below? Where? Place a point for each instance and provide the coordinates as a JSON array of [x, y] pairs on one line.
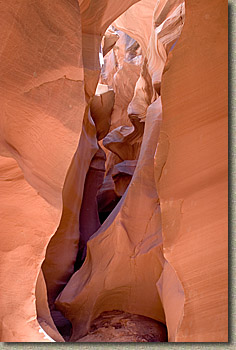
[[122, 174], [89, 221], [64, 243], [42, 99], [45, 66], [126, 242], [101, 108], [138, 27], [122, 273], [193, 187], [109, 40]]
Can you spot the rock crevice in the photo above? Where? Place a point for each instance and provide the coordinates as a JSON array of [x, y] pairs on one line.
[[113, 153]]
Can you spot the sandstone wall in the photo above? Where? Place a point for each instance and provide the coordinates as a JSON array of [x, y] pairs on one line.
[[162, 253], [43, 103], [42, 106], [124, 258], [191, 172]]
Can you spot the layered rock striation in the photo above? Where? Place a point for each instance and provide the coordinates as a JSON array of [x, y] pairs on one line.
[[113, 153]]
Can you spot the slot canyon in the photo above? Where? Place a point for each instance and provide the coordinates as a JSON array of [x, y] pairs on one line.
[[114, 171]]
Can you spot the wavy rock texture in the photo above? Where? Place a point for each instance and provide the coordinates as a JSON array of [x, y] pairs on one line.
[[42, 99], [113, 277], [43, 312], [46, 81], [121, 71], [138, 27], [160, 257], [109, 40], [193, 187], [62, 251], [116, 276]]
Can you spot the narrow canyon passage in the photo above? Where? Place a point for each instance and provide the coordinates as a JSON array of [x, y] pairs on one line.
[[113, 171], [121, 129]]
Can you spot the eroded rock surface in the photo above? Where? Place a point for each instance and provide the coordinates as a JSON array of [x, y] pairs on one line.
[[118, 327], [45, 87], [193, 187], [43, 102], [62, 250], [89, 221], [90, 171]]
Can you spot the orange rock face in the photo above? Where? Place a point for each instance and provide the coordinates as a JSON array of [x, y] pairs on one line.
[[124, 257], [113, 171], [43, 105], [192, 176], [42, 99]]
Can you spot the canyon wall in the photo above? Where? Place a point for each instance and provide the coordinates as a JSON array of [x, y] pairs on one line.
[[42, 107], [191, 171], [162, 251], [43, 102]]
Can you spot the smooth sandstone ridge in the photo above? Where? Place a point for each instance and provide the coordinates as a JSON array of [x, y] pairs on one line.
[[113, 171]]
